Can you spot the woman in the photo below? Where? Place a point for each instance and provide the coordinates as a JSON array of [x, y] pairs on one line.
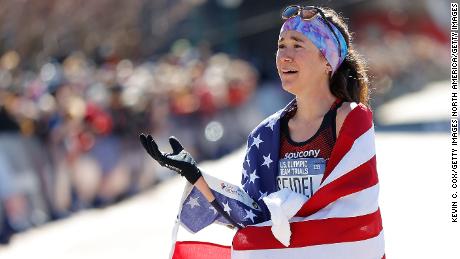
[[311, 166]]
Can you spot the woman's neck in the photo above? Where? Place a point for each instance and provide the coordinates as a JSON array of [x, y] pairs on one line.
[[313, 106]]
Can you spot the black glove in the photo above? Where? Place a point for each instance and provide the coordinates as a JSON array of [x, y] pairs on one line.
[[179, 160]]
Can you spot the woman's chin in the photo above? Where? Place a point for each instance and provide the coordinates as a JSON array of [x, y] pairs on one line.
[[288, 87]]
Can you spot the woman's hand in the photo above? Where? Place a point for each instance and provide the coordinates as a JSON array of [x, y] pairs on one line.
[[183, 163], [179, 160]]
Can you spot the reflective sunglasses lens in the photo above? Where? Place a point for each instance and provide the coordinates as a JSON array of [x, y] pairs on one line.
[[308, 13], [290, 11]]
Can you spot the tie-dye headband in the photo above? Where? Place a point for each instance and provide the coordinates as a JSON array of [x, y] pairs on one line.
[[317, 31]]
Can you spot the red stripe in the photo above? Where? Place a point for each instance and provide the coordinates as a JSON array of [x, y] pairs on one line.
[[360, 178], [200, 250], [312, 232], [358, 121]]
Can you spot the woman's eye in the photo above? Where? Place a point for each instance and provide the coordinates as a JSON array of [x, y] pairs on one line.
[[297, 46], [281, 46]]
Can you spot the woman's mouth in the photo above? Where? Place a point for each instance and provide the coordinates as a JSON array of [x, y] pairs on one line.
[[289, 73]]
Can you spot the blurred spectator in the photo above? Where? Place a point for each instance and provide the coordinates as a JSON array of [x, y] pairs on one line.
[[69, 131]]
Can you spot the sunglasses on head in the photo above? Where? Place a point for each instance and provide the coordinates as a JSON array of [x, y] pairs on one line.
[[307, 13]]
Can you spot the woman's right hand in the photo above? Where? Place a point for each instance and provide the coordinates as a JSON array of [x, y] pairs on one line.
[[179, 160]]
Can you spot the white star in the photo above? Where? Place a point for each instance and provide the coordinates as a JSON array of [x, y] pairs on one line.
[[213, 209], [262, 195], [270, 124], [257, 141], [250, 215], [193, 202], [253, 177], [227, 208], [267, 160], [247, 160], [245, 174]]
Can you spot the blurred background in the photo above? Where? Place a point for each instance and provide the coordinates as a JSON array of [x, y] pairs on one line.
[[79, 80]]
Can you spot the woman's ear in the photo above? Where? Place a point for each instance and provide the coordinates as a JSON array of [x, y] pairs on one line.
[[328, 70]]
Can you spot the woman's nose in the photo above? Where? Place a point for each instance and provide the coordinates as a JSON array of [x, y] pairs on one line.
[[286, 57]]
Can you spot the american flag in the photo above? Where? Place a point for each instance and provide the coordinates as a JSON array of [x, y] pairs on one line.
[[197, 213], [341, 220]]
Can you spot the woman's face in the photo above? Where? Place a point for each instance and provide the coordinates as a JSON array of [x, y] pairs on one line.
[[299, 62]]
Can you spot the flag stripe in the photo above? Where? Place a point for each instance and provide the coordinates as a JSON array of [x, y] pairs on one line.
[[357, 122], [358, 179], [372, 248], [200, 250], [361, 151], [312, 232], [356, 204]]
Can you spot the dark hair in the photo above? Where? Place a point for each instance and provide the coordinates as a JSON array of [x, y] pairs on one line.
[[350, 81]]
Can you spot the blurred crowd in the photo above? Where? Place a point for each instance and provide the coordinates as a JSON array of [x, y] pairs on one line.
[[69, 131], [404, 52]]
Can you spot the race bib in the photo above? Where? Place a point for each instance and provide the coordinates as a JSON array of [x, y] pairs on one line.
[[301, 175]]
